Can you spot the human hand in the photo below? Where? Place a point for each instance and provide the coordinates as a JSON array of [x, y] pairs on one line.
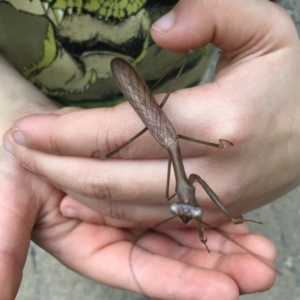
[[245, 104], [30, 209]]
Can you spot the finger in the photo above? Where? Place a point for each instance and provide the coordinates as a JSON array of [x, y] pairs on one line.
[[193, 24], [178, 280], [118, 214], [226, 242], [248, 262], [79, 133], [147, 217], [18, 211], [108, 181], [13, 250], [99, 131]]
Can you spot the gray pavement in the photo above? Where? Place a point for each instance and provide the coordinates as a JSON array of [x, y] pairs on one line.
[[46, 279]]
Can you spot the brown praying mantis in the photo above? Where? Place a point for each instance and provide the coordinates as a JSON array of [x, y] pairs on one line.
[[143, 102]]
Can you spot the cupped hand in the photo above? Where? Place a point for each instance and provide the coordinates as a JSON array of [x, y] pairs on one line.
[[30, 209]]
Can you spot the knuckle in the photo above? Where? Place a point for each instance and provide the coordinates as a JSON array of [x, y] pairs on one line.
[[104, 187], [101, 189], [233, 128], [58, 142], [112, 135], [97, 187], [116, 210], [54, 143]]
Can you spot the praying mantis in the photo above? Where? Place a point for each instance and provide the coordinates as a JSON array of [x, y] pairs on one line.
[[150, 112]]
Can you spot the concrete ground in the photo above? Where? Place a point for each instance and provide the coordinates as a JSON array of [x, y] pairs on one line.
[[46, 279]]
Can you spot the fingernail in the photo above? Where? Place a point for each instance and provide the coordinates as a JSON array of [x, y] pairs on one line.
[[165, 23], [19, 137], [8, 147], [69, 212]]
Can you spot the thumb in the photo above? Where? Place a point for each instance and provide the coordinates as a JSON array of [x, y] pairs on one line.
[[233, 25], [21, 200], [14, 232]]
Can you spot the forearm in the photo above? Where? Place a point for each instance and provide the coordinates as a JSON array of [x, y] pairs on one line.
[[18, 97]]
